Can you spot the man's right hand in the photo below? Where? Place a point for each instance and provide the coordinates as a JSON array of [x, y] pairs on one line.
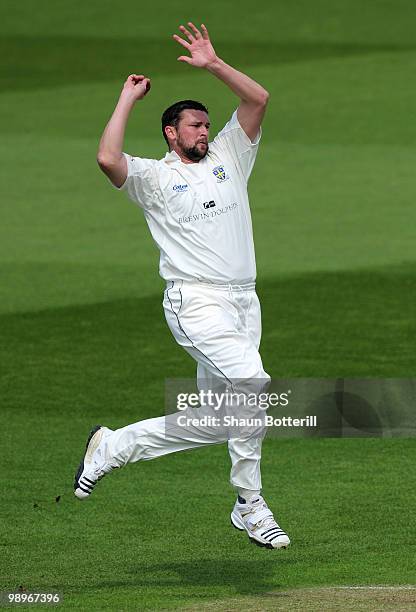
[[136, 86]]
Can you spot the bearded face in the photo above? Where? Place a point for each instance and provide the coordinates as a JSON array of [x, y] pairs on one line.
[[191, 142]]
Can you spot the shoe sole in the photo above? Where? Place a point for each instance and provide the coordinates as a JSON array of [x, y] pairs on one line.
[[257, 542], [88, 453]]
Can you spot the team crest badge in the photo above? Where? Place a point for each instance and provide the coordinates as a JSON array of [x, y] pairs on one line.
[[220, 174]]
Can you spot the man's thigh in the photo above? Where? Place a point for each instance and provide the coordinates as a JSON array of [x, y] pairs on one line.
[[207, 324]]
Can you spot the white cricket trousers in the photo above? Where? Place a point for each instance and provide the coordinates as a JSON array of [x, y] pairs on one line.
[[220, 327]]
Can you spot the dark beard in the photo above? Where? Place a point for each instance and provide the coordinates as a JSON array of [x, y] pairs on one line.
[[194, 154]]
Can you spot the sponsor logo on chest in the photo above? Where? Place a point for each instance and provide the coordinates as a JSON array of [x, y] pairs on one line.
[[180, 188], [208, 214]]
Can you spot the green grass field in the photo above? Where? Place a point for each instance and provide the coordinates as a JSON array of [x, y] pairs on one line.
[[83, 336]]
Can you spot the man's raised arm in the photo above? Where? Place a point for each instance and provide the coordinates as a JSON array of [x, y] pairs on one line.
[[110, 151], [253, 96]]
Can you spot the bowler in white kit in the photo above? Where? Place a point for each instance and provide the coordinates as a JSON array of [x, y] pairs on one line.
[[196, 205]]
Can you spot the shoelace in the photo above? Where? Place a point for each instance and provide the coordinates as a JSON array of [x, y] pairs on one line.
[[103, 469], [261, 517]]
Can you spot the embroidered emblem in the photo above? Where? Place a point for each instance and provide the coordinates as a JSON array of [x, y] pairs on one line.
[[220, 174]]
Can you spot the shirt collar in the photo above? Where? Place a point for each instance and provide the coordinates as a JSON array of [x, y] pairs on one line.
[[171, 157]]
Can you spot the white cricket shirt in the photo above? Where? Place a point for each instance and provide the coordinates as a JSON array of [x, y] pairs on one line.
[[199, 213]]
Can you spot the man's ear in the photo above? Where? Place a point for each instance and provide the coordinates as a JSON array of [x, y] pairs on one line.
[[170, 132]]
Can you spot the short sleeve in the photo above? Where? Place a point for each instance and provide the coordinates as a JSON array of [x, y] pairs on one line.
[[141, 183], [233, 140]]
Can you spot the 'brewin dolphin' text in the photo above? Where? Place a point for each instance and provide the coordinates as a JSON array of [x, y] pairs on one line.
[[203, 216]]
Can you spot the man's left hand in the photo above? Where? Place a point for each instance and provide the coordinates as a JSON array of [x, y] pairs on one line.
[[199, 46]]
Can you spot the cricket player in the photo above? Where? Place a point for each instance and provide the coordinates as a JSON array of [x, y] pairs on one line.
[[196, 205]]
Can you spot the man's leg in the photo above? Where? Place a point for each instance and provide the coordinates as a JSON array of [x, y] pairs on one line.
[[107, 450], [245, 454], [250, 513]]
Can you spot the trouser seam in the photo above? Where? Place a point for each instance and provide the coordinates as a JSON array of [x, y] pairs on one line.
[[188, 337]]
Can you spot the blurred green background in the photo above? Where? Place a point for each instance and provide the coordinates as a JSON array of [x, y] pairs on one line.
[[334, 183], [83, 338]]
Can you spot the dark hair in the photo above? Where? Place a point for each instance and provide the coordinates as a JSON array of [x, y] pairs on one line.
[[172, 115]]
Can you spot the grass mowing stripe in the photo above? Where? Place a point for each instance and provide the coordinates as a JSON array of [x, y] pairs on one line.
[[328, 495], [357, 323]]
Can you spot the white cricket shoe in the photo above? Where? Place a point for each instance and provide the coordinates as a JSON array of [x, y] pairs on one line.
[[94, 465], [256, 518]]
